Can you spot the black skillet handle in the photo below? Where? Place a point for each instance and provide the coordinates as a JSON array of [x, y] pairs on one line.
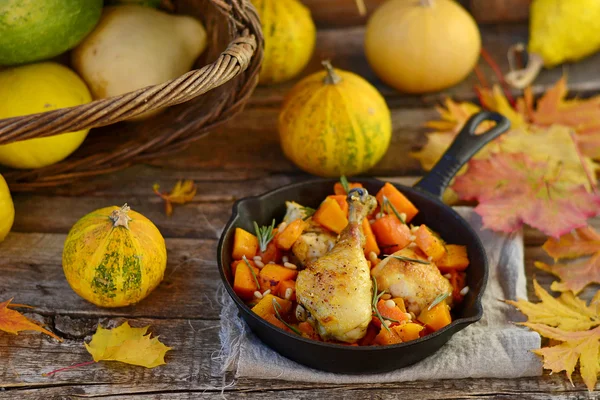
[[465, 146]]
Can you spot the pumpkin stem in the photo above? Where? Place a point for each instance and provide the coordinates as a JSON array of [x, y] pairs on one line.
[[521, 78], [332, 78], [426, 3], [120, 218]]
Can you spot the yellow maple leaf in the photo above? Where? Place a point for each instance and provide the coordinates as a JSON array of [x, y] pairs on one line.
[[12, 321], [570, 320], [128, 345], [183, 192], [566, 312], [580, 345], [560, 132]]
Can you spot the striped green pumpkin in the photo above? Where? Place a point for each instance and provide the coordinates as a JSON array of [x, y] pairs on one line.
[[334, 123], [114, 257]]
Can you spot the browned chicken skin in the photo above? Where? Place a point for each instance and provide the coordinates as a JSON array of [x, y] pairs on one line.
[[418, 284], [336, 288]]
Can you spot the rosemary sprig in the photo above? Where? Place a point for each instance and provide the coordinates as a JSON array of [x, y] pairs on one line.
[[387, 204], [264, 234], [308, 212], [252, 272], [441, 297], [276, 307], [409, 259], [345, 184], [376, 298]]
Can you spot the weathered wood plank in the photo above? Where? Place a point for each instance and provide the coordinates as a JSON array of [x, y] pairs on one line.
[[192, 368], [253, 143], [31, 271], [345, 48]]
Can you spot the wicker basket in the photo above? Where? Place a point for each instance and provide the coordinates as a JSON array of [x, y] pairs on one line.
[[226, 76]]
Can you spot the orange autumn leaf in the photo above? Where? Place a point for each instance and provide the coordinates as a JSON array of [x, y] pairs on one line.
[[581, 242], [512, 189], [183, 192], [12, 321], [569, 320], [575, 275]]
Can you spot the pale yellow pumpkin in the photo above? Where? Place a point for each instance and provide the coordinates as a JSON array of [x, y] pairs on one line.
[[334, 123], [290, 36], [114, 257], [36, 88], [422, 46], [7, 209]]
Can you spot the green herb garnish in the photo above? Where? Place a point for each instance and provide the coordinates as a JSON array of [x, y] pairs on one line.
[[276, 307], [264, 234], [308, 212], [376, 298], [387, 205], [252, 272], [345, 184], [409, 259], [441, 297]]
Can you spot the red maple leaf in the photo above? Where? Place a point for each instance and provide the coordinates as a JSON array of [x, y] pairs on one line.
[[512, 190]]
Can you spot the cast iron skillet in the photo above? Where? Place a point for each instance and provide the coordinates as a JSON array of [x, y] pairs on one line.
[[426, 196]]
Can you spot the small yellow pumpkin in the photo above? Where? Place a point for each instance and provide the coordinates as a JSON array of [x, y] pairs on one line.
[[114, 257], [7, 209], [334, 123], [422, 45], [290, 36]]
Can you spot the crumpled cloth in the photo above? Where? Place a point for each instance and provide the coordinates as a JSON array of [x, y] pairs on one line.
[[491, 348]]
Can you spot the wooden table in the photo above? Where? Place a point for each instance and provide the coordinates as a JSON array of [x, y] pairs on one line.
[[241, 159]]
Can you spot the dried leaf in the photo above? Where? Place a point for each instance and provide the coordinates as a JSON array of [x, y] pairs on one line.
[[183, 192], [574, 276], [579, 114], [128, 345], [512, 189], [12, 321], [581, 242], [566, 312], [569, 321], [581, 345]]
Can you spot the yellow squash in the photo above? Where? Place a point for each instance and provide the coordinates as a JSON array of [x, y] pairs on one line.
[[7, 210], [114, 257], [334, 123], [290, 36], [421, 46], [560, 31], [35, 88]]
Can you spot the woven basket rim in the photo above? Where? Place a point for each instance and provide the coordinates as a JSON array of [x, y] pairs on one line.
[[244, 52]]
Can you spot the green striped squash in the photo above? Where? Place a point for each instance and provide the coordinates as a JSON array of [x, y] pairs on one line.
[[334, 123], [114, 257]]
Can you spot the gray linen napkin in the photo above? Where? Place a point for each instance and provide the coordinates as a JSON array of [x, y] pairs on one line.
[[490, 348]]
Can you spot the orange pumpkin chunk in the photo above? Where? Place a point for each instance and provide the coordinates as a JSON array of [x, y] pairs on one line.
[[455, 259], [398, 200], [244, 244], [429, 243], [331, 216]]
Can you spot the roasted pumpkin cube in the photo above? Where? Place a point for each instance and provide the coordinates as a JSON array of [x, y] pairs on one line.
[[244, 284], [265, 306], [270, 276], [429, 243], [244, 244], [331, 216], [400, 202], [436, 318], [455, 259]]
